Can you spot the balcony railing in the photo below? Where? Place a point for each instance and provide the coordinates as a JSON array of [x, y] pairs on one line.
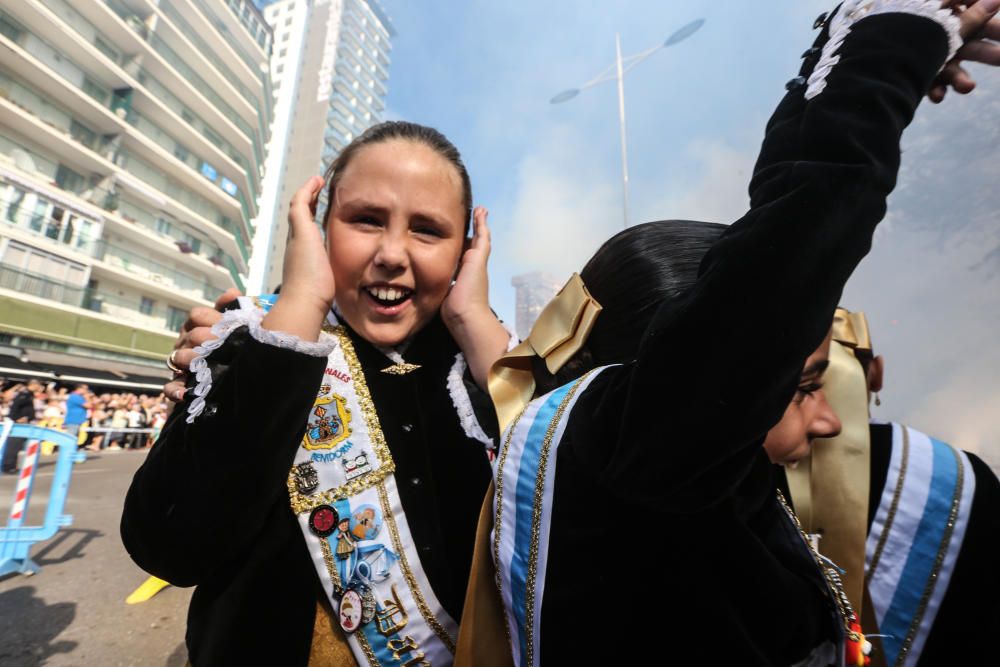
[[160, 315], [109, 200], [39, 286]]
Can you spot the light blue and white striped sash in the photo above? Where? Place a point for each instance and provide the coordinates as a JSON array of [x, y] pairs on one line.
[[915, 539], [524, 475]]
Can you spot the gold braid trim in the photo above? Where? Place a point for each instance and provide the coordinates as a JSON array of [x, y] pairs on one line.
[[302, 503], [411, 581], [498, 516], [367, 648], [536, 518], [949, 527], [893, 507]]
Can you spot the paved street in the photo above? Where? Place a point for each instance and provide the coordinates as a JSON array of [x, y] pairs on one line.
[[73, 612]]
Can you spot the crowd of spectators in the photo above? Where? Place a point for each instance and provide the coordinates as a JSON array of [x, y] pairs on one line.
[[105, 420]]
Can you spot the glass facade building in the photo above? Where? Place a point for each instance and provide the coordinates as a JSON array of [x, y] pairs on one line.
[[330, 70]]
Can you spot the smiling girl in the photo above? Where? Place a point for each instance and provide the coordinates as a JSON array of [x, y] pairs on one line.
[[322, 483]]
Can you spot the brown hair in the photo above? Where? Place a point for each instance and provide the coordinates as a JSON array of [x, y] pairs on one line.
[[401, 129]]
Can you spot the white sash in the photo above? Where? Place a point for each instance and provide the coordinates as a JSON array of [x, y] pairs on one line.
[[524, 476], [342, 478], [915, 539]]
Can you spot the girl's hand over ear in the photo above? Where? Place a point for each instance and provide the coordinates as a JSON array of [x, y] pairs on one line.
[[469, 296], [307, 286]]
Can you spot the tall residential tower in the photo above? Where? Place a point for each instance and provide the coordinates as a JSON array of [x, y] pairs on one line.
[[132, 139], [330, 68]]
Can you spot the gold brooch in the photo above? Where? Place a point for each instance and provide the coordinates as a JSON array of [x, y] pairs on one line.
[[401, 368]]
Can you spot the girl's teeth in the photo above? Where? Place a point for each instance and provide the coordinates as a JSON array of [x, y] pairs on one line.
[[383, 294]]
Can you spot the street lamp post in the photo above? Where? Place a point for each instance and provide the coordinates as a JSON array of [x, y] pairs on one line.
[[618, 71]]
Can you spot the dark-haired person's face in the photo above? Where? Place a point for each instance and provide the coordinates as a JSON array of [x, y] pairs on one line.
[[807, 417], [395, 234]]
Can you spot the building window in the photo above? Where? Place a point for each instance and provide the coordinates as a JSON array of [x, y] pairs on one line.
[[15, 203], [94, 90], [163, 226], [193, 243], [181, 153], [187, 116], [213, 137], [39, 215], [82, 134], [10, 28], [146, 305], [175, 318], [288, 21], [282, 53], [107, 49], [67, 179], [209, 172]]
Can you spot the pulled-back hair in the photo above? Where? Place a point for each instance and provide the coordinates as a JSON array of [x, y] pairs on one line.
[[630, 276], [401, 129]]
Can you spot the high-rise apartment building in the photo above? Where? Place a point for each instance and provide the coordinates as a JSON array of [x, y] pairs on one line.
[[533, 291], [132, 144], [329, 70]]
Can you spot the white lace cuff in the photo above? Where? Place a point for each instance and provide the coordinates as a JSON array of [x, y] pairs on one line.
[[463, 404], [852, 11], [230, 322], [460, 394]]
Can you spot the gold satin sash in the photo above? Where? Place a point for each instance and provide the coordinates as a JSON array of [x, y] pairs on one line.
[[830, 487], [559, 332], [482, 634]]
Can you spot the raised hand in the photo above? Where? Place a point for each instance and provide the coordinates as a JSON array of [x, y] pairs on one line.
[[469, 296], [979, 28], [307, 285], [466, 310]]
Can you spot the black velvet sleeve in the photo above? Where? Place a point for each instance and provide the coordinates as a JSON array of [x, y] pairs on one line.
[[679, 427], [206, 489]]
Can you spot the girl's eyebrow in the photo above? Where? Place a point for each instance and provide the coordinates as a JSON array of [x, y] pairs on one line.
[[816, 369], [362, 204]]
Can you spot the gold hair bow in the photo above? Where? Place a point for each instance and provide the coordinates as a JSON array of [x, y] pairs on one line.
[[851, 329], [558, 334]]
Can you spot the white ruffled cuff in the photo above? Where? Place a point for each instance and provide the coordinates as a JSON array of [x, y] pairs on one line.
[[230, 322], [460, 394], [852, 11], [463, 404]]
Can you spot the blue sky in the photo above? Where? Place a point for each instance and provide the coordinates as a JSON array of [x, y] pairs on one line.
[[483, 73]]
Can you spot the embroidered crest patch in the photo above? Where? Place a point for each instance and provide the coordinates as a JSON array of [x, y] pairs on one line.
[[329, 423]]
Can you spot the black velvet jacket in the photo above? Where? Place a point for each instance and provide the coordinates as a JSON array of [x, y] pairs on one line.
[[667, 543], [209, 507]]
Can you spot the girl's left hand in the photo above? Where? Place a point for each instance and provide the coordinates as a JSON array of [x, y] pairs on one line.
[[469, 296]]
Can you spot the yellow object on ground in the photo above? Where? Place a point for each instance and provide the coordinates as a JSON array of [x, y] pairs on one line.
[[148, 589]]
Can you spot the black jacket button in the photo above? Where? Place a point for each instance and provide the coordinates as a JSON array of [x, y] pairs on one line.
[[797, 82]]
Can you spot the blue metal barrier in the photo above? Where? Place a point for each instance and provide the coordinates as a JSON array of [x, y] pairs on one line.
[[16, 540]]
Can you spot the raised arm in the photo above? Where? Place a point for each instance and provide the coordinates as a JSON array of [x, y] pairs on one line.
[[718, 367]]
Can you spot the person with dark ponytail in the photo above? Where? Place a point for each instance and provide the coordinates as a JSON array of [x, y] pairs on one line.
[[634, 517]]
